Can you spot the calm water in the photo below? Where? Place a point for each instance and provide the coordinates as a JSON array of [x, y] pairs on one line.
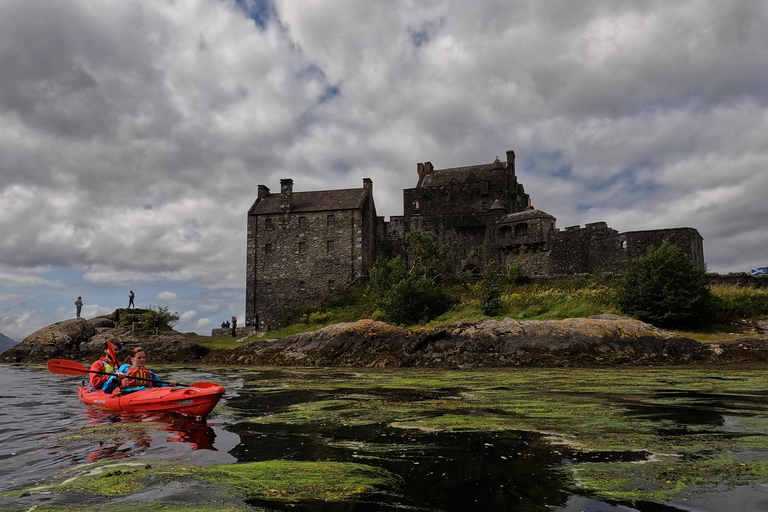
[[40, 419]]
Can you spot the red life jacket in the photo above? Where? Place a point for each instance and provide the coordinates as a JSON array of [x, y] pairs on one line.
[[135, 378]]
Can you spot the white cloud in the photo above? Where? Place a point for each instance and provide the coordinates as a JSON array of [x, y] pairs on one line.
[[135, 133], [166, 296]]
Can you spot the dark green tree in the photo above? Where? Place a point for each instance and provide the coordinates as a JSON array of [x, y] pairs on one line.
[[428, 259], [410, 290], [412, 301], [666, 288], [490, 289]]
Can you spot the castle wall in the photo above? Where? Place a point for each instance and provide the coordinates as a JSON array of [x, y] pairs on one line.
[[303, 260], [570, 248], [612, 254]]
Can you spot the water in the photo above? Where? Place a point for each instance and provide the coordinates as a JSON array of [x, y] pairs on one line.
[[42, 426]]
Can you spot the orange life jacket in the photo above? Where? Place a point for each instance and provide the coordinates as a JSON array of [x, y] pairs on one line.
[[135, 378]]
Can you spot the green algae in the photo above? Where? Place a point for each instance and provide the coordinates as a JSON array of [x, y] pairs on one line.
[[276, 480], [694, 430], [300, 481], [694, 422], [665, 480]]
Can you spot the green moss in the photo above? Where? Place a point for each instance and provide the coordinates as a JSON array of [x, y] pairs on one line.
[[300, 481], [269, 480], [661, 481]]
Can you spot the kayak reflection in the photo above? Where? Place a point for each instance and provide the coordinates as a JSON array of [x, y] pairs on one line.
[[124, 435]]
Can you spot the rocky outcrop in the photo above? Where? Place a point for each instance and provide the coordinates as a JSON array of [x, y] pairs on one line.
[[597, 341], [604, 340], [83, 340]]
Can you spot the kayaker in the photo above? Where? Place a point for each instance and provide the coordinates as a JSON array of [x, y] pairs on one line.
[[130, 376], [106, 363]]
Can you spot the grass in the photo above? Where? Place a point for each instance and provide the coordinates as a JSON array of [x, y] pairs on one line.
[[551, 300]]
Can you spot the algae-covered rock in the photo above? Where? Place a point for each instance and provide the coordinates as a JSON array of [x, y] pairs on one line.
[[266, 481], [578, 341]]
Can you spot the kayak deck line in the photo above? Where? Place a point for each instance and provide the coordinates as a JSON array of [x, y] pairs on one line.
[[190, 401]]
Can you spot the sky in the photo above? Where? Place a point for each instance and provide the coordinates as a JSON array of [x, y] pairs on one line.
[[134, 134]]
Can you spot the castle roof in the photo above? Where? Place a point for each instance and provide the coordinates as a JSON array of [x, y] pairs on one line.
[[316, 201], [471, 173], [528, 214]]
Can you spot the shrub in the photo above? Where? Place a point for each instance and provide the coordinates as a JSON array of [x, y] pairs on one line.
[[490, 293], [414, 300], [664, 287]]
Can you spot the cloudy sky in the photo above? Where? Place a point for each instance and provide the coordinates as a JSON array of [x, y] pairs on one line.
[[134, 134]]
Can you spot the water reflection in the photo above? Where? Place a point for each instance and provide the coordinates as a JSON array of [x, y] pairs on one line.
[[130, 435]]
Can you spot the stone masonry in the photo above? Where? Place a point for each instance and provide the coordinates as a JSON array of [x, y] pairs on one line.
[[302, 245]]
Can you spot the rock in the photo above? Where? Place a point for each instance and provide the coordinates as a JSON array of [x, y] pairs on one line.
[[59, 340], [83, 340], [581, 341]]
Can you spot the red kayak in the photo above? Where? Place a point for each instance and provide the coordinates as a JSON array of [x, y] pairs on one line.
[[195, 400]]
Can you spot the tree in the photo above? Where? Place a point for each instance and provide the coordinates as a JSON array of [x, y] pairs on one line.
[[410, 290], [490, 289], [165, 319], [414, 300], [665, 287], [428, 259]]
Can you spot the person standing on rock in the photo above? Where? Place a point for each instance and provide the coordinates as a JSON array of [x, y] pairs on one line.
[[79, 306], [130, 300]]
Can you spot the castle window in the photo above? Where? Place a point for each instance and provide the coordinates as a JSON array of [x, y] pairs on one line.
[[268, 287], [268, 225], [302, 222], [505, 232], [267, 248], [521, 229], [624, 244], [302, 286], [302, 247], [331, 247], [331, 284], [331, 220]]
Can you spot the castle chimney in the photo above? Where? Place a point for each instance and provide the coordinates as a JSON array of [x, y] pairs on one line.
[[421, 172], [286, 190], [368, 184], [511, 160], [263, 191]]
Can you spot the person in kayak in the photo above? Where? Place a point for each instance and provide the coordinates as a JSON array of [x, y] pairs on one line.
[[134, 376], [106, 363]]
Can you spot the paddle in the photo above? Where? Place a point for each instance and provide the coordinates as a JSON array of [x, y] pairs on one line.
[[112, 355], [67, 367]]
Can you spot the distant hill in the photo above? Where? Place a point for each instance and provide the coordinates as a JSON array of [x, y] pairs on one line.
[[5, 343]]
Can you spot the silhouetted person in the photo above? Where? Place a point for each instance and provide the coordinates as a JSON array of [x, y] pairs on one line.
[[130, 300], [79, 305], [234, 326]]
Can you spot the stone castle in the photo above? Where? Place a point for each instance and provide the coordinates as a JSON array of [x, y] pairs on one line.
[[302, 245]]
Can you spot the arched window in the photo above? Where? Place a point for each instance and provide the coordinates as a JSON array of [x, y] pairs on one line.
[[521, 229], [505, 232]]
